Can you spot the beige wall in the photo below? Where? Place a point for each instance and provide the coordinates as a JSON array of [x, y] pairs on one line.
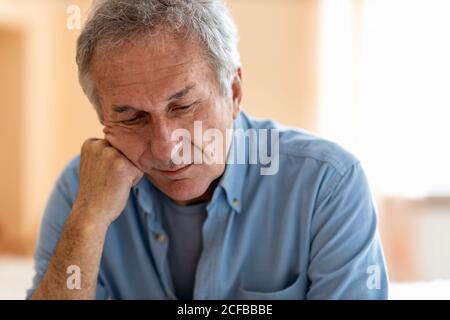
[[279, 48], [54, 118], [49, 117], [11, 46]]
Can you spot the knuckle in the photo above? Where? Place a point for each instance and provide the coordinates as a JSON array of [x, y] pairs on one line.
[[87, 145], [108, 152], [119, 164], [90, 144]]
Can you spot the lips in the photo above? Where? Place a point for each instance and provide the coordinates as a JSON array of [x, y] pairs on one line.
[[176, 172]]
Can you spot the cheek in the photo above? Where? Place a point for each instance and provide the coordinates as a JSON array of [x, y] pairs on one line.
[[216, 115], [223, 114], [131, 145]]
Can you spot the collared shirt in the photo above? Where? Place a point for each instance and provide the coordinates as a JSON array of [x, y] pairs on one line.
[[308, 231]]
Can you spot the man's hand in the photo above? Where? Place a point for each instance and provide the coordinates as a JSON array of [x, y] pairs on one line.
[[106, 177]]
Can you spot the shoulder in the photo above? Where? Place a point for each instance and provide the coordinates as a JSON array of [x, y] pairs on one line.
[[65, 191], [298, 146], [68, 180]]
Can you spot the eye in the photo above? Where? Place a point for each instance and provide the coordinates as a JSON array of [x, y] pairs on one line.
[[138, 118], [182, 108]]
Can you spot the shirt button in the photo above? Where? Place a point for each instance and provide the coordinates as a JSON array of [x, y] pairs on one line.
[[160, 237], [236, 202]]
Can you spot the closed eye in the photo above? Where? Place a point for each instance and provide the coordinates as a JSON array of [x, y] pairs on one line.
[[135, 120], [182, 108]]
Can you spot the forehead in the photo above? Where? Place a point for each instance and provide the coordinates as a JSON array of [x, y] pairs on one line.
[[155, 65]]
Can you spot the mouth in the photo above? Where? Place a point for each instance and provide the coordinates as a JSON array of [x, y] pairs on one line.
[[176, 172]]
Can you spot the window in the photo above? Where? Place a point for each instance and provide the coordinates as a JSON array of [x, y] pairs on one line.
[[385, 90]]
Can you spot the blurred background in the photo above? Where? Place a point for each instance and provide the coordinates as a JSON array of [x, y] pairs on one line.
[[372, 75]]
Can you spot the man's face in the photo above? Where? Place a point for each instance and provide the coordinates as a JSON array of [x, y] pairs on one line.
[[148, 89]]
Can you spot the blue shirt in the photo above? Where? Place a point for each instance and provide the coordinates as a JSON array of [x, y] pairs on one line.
[[307, 232]]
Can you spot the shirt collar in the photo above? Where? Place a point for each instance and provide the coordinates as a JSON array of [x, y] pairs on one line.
[[234, 176], [143, 192]]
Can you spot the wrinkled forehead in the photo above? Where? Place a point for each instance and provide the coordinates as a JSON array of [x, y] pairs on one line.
[[154, 66], [154, 57]]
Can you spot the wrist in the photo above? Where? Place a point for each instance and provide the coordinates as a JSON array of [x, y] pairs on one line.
[[89, 218]]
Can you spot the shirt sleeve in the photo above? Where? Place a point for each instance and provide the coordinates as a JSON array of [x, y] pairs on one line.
[[58, 208], [346, 258]]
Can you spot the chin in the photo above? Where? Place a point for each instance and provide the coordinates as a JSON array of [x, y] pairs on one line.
[[184, 189]]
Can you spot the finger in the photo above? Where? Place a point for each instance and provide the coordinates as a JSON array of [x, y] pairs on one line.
[[103, 142]]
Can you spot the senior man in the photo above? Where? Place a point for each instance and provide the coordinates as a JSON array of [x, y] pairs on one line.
[[127, 219]]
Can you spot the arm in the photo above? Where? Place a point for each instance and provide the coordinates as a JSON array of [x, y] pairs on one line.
[[106, 177], [346, 258], [80, 244]]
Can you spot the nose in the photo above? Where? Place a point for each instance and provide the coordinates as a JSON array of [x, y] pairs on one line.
[[159, 139]]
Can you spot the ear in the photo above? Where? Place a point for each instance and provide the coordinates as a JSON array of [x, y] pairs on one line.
[[236, 92]]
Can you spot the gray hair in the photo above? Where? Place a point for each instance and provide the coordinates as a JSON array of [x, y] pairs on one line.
[[111, 22]]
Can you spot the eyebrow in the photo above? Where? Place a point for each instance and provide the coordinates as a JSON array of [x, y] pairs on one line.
[[180, 94], [122, 109]]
